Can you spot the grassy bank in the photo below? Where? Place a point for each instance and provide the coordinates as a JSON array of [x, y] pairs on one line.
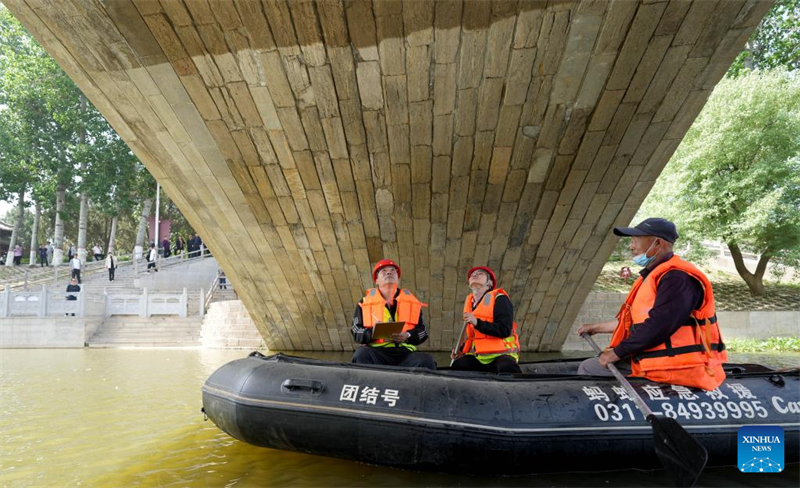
[[773, 344], [730, 292]]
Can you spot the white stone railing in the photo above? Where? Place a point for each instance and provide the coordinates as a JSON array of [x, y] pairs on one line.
[[43, 303], [47, 303], [148, 304]]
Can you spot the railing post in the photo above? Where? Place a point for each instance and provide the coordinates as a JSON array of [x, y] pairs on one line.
[[81, 303], [143, 312], [184, 304], [107, 303], [202, 303], [26, 279], [6, 302], [43, 302], [202, 251]]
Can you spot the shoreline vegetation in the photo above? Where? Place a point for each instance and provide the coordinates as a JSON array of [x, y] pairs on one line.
[[730, 292], [772, 344]]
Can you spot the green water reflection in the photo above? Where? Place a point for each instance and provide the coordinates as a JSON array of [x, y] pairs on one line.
[[108, 418]]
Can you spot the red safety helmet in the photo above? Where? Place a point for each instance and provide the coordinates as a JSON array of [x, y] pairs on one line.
[[485, 269], [382, 264]]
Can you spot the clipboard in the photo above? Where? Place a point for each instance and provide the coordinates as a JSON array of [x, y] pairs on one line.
[[384, 330]]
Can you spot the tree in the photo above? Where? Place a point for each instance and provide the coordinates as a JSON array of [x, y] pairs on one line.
[[42, 104], [736, 175], [774, 43]]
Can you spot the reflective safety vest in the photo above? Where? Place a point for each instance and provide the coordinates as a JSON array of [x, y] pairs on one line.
[[373, 310], [694, 354], [487, 348]]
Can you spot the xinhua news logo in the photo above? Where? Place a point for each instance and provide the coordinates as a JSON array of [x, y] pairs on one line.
[[761, 449]]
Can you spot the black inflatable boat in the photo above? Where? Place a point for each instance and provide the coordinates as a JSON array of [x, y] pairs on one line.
[[547, 419]]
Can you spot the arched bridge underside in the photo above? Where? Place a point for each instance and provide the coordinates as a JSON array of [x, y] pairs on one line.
[[305, 140]]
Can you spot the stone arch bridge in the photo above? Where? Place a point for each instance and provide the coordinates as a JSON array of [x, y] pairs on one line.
[[305, 140]]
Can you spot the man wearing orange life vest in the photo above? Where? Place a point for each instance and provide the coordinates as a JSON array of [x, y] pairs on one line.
[[389, 303], [666, 330], [491, 343]]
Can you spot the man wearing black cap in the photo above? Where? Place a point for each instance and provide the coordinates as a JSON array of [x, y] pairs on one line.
[[388, 303], [667, 328]]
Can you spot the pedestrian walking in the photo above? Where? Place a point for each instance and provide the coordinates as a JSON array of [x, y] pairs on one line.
[[151, 258], [98, 253], [72, 287], [43, 256], [17, 255], [179, 246], [165, 245], [70, 252], [75, 265], [111, 265], [194, 246]]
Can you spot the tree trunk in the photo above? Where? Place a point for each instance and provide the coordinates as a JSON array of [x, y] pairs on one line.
[[137, 251], [58, 237], [755, 281], [17, 229], [112, 239], [35, 237], [83, 219]]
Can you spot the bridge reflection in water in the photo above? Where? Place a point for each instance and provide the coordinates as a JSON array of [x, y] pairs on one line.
[[114, 417]]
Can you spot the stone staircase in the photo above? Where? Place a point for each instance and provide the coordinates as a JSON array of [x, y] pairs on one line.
[[155, 331], [228, 325], [223, 295]]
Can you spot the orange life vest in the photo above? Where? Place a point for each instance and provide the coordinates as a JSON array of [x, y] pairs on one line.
[[482, 344], [694, 354], [373, 309]]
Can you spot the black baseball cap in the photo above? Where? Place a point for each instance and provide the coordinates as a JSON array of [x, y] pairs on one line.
[[657, 227]]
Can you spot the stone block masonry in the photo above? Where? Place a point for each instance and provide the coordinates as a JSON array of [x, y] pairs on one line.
[[228, 325]]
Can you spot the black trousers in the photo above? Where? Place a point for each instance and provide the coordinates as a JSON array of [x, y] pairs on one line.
[[76, 273], [393, 356], [151, 265], [503, 364], [111, 274], [43, 260]]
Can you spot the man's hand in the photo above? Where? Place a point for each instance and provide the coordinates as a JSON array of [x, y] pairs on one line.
[[597, 328], [400, 337], [608, 356], [470, 318]]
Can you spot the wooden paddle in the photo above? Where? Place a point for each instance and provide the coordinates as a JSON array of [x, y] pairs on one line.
[[681, 454]]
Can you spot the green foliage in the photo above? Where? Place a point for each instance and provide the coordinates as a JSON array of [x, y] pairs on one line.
[[736, 175], [775, 42], [47, 129], [773, 344]]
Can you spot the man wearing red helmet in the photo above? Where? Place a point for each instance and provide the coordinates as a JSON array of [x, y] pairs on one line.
[[491, 343], [388, 303]]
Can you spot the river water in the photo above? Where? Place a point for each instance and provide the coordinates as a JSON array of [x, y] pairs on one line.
[[128, 418]]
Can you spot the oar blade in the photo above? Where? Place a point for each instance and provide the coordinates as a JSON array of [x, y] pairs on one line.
[[680, 453]]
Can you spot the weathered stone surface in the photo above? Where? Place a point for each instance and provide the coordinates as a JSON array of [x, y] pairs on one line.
[[305, 140]]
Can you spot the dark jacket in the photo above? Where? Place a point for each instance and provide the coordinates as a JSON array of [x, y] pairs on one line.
[[73, 288]]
